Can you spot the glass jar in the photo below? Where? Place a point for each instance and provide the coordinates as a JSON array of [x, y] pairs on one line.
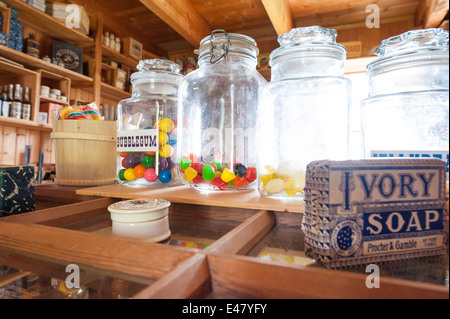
[[217, 112], [305, 110], [147, 126], [407, 111]]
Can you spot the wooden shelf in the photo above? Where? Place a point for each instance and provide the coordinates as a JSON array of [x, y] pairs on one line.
[[188, 195], [49, 100], [46, 24], [110, 92], [35, 63], [119, 58], [10, 121]]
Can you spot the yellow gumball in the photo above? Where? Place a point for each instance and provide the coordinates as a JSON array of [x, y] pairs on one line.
[[163, 138], [166, 151], [166, 125]]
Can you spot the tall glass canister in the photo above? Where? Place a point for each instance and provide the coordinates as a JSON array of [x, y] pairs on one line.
[[407, 111], [305, 110], [217, 115], [147, 126]]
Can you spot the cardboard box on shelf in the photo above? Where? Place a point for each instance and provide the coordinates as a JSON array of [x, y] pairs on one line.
[[60, 12], [49, 108], [132, 48]]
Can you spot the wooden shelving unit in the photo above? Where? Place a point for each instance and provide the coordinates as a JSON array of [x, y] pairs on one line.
[[35, 63]]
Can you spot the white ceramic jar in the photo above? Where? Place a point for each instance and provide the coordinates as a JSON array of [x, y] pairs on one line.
[[141, 218]]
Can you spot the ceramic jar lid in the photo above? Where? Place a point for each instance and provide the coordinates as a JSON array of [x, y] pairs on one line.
[[139, 210]]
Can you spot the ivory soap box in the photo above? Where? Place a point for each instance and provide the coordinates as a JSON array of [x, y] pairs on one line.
[[375, 210]]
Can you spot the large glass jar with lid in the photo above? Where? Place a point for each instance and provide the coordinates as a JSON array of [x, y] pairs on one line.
[[147, 126], [407, 111], [217, 115], [305, 110]]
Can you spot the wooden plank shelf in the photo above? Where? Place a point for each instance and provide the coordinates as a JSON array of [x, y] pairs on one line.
[[10, 121], [35, 63], [188, 195], [46, 24], [49, 100]]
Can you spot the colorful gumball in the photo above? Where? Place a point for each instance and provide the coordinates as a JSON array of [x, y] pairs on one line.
[[165, 176], [166, 125], [139, 171], [166, 151], [148, 161], [131, 161], [121, 174], [129, 174], [163, 138], [150, 175]]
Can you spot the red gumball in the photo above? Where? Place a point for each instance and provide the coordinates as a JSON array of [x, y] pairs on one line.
[[124, 164]]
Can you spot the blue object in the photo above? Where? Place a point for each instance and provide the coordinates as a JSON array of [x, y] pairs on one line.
[[165, 176]]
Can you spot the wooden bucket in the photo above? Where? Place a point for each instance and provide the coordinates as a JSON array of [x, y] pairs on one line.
[[85, 152]]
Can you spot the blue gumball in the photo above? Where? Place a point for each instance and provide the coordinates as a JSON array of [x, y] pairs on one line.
[[165, 176]]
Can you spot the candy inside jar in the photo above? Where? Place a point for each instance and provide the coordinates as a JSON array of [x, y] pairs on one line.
[[147, 127], [285, 180], [155, 166], [216, 175]]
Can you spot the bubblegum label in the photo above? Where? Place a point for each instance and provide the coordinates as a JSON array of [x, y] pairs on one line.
[[365, 211], [137, 140]]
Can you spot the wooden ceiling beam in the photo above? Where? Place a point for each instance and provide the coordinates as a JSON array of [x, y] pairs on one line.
[[119, 25], [280, 14], [430, 13], [182, 17]]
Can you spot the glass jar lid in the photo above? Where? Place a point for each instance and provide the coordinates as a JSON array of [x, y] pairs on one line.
[[413, 42], [308, 41], [411, 49], [157, 67], [219, 44]]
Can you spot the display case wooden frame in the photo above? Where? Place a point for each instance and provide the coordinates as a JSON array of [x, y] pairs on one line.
[[219, 271]]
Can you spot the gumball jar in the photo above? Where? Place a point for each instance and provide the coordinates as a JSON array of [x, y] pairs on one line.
[[147, 126], [304, 110], [218, 107], [407, 111]]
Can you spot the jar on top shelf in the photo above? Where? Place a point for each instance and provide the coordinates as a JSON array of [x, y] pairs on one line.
[[304, 110], [407, 111], [217, 115], [147, 126]]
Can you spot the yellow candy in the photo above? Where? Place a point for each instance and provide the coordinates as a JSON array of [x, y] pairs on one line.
[[163, 138], [291, 191], [275, 186], [270, 169], [265, 178], [227, 175], [166, 151], [217, 174], [166, 125], [190, 174]]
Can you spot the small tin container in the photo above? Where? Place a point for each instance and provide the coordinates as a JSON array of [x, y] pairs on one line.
[[141, 218]]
